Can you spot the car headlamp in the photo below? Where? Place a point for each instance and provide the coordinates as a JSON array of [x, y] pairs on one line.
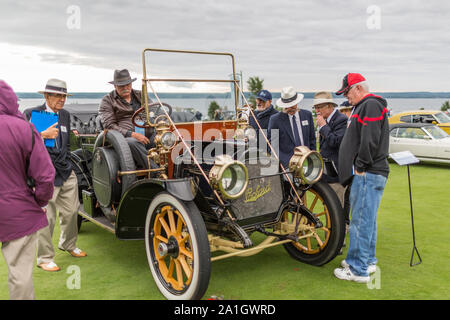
[[250, 133], [229, 176], [306, 165], [168, 140]]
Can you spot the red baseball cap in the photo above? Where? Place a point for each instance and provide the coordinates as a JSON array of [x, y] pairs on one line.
[[349, 80]]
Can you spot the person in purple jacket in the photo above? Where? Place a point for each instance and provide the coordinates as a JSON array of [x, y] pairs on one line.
[[21, 213]]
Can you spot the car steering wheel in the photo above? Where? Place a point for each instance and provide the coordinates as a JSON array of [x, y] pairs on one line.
[[155, 109]]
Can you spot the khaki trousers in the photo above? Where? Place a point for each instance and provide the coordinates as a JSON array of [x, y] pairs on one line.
[[19, 255], [65, 200]]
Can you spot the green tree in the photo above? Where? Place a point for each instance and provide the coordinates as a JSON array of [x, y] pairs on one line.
[[445, 106], [213, 106], [254, 85]]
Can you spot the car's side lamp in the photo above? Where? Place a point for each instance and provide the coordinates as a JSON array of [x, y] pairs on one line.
[[306, 165]]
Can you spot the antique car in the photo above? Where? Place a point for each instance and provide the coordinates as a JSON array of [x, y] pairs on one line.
[[207, 190], [439, 118], [427, 142]]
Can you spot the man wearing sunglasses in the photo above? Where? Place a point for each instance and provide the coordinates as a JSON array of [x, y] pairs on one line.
[[65, 195], [363, 162]]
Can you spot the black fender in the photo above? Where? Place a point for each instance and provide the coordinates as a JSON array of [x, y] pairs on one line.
[[132, 209]]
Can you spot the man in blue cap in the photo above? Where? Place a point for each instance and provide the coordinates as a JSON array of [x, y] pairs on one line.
[[264, 110]]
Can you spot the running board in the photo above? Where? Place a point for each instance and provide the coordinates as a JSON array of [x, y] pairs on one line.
[[101, 221]]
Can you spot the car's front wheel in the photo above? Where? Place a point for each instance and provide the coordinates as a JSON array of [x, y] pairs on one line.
[[318, 246], [177, 248]]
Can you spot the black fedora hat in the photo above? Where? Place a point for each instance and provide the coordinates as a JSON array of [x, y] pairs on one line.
[[122, 77]]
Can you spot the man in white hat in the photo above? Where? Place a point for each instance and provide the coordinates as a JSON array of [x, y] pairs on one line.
[[291, 128], [65, 195]]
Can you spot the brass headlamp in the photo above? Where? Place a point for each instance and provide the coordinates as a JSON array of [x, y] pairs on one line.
[[229, 177], [306, 165]]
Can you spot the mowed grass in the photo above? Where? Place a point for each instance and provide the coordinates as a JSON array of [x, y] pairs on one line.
[[117, 269]]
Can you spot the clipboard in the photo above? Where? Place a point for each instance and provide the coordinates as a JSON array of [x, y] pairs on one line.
[[42, 120]]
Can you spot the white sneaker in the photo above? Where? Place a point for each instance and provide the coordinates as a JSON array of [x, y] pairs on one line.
[[371, 269], [347, 274]]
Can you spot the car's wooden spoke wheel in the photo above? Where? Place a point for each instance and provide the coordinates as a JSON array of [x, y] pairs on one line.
[[177, 247], [172, 247], [317, 246]]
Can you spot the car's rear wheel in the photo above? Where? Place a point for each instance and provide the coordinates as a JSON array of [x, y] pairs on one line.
[[318, 246], [177, 248]]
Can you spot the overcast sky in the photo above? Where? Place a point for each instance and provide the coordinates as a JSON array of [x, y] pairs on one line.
[[311, 45]]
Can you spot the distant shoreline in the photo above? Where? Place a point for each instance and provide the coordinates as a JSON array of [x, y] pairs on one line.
[[276, 95]]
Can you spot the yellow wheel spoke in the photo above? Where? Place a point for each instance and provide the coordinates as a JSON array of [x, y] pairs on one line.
[[162, 239], [320, 214], [325, 229], [179, 274], [318, 239], [171, 221], [187, 270], [170, 270], [308, 243], [179, 225], [165, 226], [186, 253], [314, 203]]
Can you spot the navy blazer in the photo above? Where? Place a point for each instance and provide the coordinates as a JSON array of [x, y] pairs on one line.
[[60, 156], [282, 138], [331, 136]]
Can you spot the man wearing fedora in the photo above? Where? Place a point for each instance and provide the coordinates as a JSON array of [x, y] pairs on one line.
[[331, 124], [117, 109], [291, 128], [65, 194], [363, 162]]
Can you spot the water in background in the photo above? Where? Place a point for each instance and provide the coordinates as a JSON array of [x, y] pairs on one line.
[[396, 105]]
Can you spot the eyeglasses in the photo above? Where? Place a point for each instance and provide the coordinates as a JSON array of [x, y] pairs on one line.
[[58, 95], [348, 90]]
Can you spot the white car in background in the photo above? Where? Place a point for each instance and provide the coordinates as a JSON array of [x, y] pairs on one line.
[[427, 142]]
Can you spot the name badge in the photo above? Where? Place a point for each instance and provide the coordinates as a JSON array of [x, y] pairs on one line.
[[304, 122], [63, 129]]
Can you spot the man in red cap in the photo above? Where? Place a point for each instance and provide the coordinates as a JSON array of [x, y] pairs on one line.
[[363, 159]]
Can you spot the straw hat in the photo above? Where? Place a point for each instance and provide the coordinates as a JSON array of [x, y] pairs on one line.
[[323, 97], [55, 86], [289, 98]]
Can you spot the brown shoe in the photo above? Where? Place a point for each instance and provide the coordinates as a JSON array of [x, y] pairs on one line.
[[51, 267], [78, 253]]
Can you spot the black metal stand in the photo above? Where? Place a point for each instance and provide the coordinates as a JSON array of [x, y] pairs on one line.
[[412, 222]]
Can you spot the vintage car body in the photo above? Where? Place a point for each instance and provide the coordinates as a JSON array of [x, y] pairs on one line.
[[207, 189], [436, 117], [426, 141]]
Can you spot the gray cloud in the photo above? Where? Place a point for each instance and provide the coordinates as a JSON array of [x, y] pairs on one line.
[[309, 44]]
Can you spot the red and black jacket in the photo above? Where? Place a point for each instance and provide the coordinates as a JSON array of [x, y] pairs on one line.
[[365, 146]]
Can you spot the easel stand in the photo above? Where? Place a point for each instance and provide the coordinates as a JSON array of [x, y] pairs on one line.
[[412, 222], [407, 158]]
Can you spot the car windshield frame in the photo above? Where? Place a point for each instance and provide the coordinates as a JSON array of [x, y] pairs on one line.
[[442, 117], [435, 132]]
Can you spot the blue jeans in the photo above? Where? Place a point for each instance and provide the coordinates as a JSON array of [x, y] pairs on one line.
[[365, 197]]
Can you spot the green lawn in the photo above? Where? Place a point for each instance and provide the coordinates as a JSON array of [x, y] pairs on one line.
[[117, 269]]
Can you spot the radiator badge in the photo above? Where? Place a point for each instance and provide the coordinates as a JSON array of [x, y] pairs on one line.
[[252, 196]]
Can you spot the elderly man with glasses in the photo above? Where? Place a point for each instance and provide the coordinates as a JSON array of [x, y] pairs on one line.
[[363, 162], [65, 194]]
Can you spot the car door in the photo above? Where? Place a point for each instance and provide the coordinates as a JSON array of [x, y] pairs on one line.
[[414, 140]]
